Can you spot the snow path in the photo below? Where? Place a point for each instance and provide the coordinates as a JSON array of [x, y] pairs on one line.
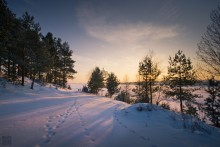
[[78, 119]]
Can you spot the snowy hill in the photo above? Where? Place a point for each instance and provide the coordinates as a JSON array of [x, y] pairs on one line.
[[49, 117]]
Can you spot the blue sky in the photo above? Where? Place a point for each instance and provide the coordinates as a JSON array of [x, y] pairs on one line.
[[118, 34]]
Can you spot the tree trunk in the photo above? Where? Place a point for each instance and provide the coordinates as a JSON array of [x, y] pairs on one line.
[[22, 75], [151, 97], [9, 68], [0, 66], [32, 84], [13, 71], [22, 69], [180, 95]]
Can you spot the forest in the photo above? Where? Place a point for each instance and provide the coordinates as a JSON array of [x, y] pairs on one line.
[[26, 52]]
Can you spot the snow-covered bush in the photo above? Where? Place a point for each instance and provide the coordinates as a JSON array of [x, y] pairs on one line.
[[165, 106]]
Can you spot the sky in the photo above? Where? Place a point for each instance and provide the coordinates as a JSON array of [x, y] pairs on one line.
[[117, 34]]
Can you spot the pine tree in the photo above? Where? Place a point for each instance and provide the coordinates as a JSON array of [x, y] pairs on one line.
[[180, 74], [149, 72], [8, 38], [96, 81], [49, 44], [24, 51], [212, 103], [66, 64], [35, 56], [112, 84]]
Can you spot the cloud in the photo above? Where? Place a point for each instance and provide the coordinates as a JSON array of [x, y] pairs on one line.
[[104, 26], [131, 33]]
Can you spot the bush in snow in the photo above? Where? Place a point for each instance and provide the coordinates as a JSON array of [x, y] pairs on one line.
[[69, 87], [85, 89], [122, 96], [165, 106], [139, 108]]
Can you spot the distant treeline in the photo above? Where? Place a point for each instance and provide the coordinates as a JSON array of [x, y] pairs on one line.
[[25, 52]]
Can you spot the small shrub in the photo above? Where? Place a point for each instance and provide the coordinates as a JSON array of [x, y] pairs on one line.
[[165, 106], [139, 108], [149, 107], [122, 96], [85, 89], [69, 87]]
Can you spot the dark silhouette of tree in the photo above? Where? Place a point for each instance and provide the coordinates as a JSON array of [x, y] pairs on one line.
[[96, 81], [180, 74], [25, 52], [149, 72], [112, 83], [66, 64], [8, 40], [212, 103], [209, 46]]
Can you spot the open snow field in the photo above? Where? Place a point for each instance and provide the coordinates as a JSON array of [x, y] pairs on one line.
[[49, 117]]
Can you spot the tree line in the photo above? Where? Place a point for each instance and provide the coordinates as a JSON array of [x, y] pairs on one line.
[[26, 52], [181, 74]]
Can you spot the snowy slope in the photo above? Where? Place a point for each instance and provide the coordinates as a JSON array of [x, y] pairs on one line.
[[49, 117]]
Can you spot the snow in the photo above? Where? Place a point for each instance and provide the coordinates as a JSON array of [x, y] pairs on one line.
[[46, 116]]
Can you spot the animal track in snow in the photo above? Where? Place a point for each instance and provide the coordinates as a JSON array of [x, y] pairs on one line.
[[55, 122]]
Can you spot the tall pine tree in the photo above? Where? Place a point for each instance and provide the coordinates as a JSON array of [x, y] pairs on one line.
[[180, 74]]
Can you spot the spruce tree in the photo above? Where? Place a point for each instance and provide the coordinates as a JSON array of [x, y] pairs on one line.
[[180, 74], [112, 83], [96, 81]]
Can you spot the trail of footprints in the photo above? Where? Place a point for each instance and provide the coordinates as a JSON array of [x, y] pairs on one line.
[[55, 122], [130, 130], [84, 125]]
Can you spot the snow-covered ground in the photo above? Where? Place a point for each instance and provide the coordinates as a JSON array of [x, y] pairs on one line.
[[49, 117]]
